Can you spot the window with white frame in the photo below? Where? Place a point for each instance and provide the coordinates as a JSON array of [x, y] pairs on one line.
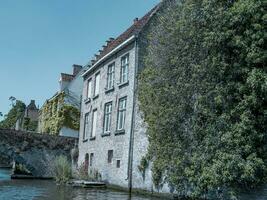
[[89, 89], [121, 113], [110, 76], [86, 126], [124, 68], [94, 121], [97, 84], [107, 117]]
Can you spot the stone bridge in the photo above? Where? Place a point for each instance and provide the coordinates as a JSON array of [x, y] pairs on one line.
[[33, 150]]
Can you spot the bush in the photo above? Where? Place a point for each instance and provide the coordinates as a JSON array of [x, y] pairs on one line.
[[83, 174], [62, 169]]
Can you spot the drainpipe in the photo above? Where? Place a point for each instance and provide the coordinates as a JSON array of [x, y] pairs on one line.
[[131, 142]]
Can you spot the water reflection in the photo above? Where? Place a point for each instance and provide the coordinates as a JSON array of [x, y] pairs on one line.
[[44, 190], [47, 190]]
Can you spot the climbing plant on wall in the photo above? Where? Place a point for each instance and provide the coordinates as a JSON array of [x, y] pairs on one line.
[[55, 114], [204, 96]]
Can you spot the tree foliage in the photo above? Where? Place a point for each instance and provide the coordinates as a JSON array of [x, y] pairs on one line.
[[13, 115], [204, 95]]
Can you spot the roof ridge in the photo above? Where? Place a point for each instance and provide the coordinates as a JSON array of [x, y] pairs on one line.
[[134, 29]]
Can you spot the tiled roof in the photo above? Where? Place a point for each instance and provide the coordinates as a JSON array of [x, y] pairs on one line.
[[133, 30]]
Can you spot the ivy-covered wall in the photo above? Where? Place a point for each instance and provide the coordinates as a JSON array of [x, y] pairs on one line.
[[56, 114], [203, 92]]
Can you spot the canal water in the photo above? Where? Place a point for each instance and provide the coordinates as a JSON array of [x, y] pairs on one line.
[[47, 190]]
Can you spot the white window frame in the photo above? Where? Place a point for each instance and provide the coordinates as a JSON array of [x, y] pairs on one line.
[[107, 117], [124, 68], [110, 76], [86, 128], [97, 84], [94, 124], [121, 113], [89, 89]]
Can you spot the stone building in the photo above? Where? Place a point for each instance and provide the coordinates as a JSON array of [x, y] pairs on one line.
[[29, 119], [60, 114], [113, 138]]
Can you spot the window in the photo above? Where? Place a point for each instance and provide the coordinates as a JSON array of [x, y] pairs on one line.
[[110, 156], [91, 159], [97, 82], [118, 164], [124, 68], [86, 126], [121, 113], [107, 117], [94, 120], [89, 89], [110, 76]]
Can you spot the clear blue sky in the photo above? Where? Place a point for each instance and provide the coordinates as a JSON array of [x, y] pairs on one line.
[[39, 39]]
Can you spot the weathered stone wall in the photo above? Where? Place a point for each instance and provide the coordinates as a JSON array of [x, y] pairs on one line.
[[118, 143], [35, 151]]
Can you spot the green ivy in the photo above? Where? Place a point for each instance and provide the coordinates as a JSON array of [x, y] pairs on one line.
[[55, 114], [144, 163], [204, 96]]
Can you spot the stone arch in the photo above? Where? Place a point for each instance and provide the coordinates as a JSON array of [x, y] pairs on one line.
[[36, 152], [12, 155]]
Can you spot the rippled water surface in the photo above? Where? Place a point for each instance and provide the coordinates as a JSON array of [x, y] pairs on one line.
[[44, 190]]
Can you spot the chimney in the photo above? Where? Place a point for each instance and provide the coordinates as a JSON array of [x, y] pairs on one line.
[[96, 56], [109, 41], [93, 61], [76, 69], [135, 20], [64, 80]]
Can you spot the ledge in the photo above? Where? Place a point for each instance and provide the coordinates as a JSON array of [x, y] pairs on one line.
[[105, 134], [92, 138], [123, 84], [95, 97], [88, 100], [120, 132], [109, 90]]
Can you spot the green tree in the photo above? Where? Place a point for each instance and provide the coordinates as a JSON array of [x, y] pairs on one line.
[[204, 96], [15, 112]]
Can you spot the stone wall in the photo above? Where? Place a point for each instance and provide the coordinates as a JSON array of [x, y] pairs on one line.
[[118, 143], [35, 151]]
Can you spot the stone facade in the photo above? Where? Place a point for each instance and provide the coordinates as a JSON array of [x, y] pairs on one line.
[[129, 146], [101, 144]]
